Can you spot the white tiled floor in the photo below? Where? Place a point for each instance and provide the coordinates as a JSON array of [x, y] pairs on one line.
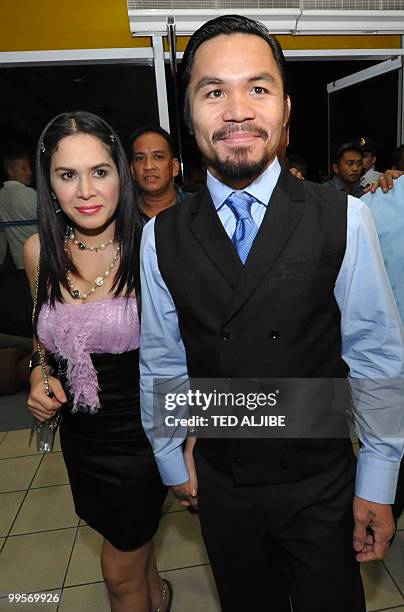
[[44, 547]]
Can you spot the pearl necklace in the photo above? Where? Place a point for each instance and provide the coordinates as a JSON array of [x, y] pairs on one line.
[[83, 245], [98, 282]]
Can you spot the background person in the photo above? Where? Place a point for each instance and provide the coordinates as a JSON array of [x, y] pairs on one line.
[[369, 150], [347, 168], [18, 210], [154, 168], [18, 221]]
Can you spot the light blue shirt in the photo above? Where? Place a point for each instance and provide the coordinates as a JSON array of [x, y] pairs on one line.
[[388, 214], [372, 337]]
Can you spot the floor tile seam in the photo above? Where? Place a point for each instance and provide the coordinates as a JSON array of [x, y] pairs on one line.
[[17, 513], [2, 440], [176, 569], [393, 579], [36, 454], [75, 586], [24, 533], [36, 471], [68, 564], [54, 485], [388, 609], [19, 535], [62, 484], [24, 498], [21, 456]]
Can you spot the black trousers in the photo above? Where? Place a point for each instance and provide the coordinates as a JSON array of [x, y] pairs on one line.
[[254, 534]]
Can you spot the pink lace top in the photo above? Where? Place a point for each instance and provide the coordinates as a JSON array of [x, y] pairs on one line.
[[73, 332]]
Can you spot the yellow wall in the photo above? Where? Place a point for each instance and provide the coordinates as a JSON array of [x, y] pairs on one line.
[[36, 25], [33, 25]]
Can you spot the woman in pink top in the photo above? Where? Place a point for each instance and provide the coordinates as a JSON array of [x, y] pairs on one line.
[[87, 320]]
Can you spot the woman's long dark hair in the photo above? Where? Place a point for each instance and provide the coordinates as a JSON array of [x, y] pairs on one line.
[[54, 260]]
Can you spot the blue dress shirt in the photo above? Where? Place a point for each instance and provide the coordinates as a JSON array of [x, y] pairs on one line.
[[388, 214], [372, 338]]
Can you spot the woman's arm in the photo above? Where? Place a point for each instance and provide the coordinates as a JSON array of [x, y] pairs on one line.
[[42, 406]]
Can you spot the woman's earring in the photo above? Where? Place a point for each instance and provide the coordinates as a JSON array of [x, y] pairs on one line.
[[56, 204]]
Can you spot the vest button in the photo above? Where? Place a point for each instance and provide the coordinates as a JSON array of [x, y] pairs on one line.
[[238, 461], [274, 334], [225, 335], [284, 465]]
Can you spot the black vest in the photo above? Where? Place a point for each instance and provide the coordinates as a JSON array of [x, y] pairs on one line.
[[276, 316]]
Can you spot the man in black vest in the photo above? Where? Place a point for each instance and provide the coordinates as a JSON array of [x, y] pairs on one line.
[[261, 275]]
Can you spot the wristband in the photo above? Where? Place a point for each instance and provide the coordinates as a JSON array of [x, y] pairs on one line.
[[36, 360]]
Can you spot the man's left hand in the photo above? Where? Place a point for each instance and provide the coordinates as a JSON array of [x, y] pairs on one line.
[[374, 529]]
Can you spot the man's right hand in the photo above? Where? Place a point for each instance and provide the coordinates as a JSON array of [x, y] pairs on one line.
[[41, 405], [186, 494], [374, 529]]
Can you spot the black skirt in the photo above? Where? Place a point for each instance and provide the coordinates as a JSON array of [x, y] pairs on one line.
[[114, 479]]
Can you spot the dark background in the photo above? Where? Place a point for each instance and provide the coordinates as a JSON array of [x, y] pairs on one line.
[[125, 96], [366, 109]]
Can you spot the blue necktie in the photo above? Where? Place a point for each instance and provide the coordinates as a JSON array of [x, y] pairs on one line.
[[246, 228]]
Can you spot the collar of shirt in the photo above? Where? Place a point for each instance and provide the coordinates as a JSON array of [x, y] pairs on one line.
[[261, 188], [6, 183], [338, 183]]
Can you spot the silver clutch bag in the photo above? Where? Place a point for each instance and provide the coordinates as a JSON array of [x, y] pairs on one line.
[[45, 433]]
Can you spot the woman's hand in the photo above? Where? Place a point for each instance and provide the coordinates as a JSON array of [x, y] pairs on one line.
[[187, 492], [41, 405]]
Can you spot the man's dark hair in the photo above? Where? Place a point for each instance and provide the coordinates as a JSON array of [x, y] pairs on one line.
[[397, 156], [228, 24], [10, 159], [52, 227], [154, 129], [339, 151]]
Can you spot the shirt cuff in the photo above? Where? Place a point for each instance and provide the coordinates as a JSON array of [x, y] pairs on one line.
[[172, 467], [376, 480]]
